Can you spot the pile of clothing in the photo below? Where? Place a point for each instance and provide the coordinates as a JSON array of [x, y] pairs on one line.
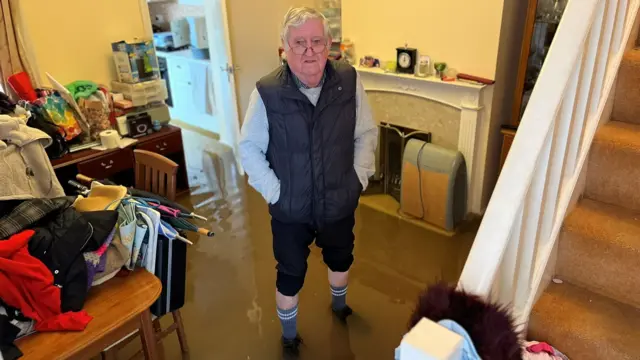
[[26, 170], [43, 273], [54, 248], [44, 239]]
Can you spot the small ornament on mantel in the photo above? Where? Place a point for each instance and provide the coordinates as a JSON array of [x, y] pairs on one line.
[[440, 68], [424, 66], [450, 75], [406, 58]]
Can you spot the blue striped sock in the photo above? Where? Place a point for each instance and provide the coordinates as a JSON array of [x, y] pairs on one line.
[[338, 297], [288, 319]]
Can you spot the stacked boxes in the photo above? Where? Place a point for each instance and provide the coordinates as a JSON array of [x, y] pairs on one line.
[[142, 93], [138, 72], [135, 61]]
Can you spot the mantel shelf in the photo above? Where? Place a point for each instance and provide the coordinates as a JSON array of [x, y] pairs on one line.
[[471, 100], [430, 79]]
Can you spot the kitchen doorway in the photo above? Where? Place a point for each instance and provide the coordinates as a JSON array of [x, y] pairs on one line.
[[243, 47]]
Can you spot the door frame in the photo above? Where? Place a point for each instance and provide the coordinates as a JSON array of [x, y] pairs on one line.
[[226, 102]]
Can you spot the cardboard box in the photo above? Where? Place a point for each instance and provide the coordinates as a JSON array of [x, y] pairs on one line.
[[135, 61]]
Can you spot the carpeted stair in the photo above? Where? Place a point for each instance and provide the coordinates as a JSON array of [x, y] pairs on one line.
[[613, 172], [595, 313]]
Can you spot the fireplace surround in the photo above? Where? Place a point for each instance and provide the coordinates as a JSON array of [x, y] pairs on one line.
[[455, 113]]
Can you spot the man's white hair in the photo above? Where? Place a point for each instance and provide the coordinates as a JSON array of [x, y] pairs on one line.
[[297, 17]]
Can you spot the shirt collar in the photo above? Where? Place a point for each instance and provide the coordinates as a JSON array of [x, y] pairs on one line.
[[302, 85]]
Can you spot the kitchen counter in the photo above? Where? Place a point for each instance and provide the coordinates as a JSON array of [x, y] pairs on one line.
[[182, 54]]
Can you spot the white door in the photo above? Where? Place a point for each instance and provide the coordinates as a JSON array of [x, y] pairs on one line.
[[244, 36]]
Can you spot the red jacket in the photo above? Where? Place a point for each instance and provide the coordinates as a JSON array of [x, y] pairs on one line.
[[27, 284]]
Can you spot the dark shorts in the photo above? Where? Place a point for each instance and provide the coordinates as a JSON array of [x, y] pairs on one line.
[[291, 249]]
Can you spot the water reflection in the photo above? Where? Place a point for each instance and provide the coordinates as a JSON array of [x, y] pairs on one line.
[[230, 307]]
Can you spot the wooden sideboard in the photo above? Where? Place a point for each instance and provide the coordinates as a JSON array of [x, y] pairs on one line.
[[118, 164], [508, 134]]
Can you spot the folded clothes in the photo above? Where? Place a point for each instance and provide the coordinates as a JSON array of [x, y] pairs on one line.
[[27, 284], [16, 318]]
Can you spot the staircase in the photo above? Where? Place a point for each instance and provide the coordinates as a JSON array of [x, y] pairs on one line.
[[531, 231], [595, 313]]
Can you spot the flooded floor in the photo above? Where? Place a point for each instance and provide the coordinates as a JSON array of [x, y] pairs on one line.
[[230, 306]]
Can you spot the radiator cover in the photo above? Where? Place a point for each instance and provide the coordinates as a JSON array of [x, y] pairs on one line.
[[434, 184]]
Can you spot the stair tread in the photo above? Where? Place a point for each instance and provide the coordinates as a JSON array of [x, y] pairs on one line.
[[614, 165], [604, 222], [585, 325], [598, 246], [625, 106], [619, 134]]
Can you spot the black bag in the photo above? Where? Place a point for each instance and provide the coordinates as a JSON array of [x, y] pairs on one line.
[[171, 269], [6, 105], [59, 146]]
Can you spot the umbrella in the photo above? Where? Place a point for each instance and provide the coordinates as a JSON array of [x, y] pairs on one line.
[[170, 233], [170, 216], [164, 201], [180, 223], [163, 209]]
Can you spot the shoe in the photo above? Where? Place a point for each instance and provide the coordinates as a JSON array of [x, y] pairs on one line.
[[343, 314], [291, 347]]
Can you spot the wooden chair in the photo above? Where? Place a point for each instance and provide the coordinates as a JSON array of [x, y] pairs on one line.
[[157, 174], [118, 307]]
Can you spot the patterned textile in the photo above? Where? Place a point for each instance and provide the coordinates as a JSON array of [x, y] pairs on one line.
[[92, 258], [29, 212], [127, 229], [103, 263], [116, 256]]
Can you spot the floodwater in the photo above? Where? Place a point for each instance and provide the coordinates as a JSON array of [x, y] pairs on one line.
[[230, 305]]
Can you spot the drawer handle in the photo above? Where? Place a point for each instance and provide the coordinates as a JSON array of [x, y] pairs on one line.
[[164, 146], [107, 166]]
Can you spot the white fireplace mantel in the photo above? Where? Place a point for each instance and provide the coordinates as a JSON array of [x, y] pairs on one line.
[[467, 97]]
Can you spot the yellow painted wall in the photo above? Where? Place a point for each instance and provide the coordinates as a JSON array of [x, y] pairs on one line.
[[462, 33], [71, 39]]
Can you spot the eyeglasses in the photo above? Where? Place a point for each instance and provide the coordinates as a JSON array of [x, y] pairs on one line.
[[300, 47]]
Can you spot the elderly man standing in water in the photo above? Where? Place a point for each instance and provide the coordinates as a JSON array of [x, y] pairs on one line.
[[308, 144]]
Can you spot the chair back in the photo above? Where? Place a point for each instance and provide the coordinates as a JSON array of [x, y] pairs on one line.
[[155, 173]]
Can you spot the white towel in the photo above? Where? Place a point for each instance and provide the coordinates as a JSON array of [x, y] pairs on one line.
[[202, 91]]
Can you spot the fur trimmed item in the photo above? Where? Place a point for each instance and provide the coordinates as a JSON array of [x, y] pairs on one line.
[[490, 325]]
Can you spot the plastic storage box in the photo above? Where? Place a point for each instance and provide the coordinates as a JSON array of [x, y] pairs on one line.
[[143, 93]]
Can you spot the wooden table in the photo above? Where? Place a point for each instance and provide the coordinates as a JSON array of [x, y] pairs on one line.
[[118, 164], [119, 307]]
